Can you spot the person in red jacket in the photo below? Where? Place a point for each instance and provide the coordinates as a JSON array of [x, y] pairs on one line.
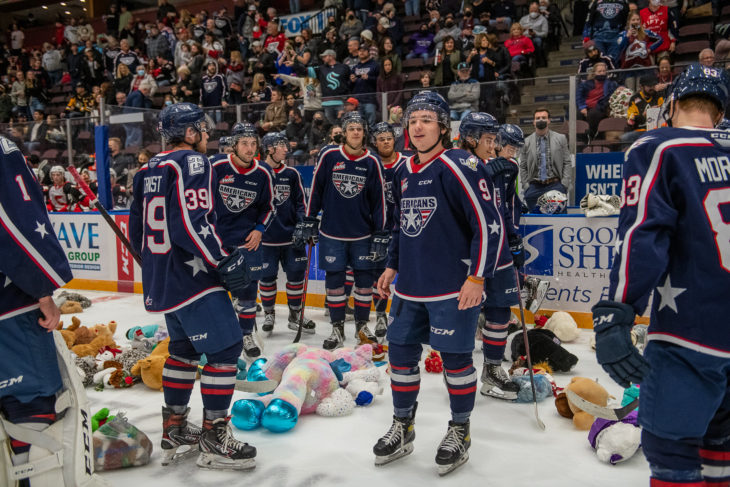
[[656, 19], [520, 47]]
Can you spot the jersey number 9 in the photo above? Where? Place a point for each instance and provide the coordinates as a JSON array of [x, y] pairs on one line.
[[156, 221]]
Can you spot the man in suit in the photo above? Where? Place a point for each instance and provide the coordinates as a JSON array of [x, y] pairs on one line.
[[545, 163]]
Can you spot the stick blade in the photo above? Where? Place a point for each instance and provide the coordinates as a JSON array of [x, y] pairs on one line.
[[258, 387], [612, 414]]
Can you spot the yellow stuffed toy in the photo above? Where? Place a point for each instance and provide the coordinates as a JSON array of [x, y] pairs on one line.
[[75, 334], [91, 349], [589, 390], [108, 330], [150, 367]]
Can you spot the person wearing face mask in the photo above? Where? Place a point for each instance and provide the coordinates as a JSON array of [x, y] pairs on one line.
[[421, 43], [592, 97], [545, 163], [450, 28], [606, 19], [656, 18], [351, 27], [646, 98], [142, 76], [536, 28]]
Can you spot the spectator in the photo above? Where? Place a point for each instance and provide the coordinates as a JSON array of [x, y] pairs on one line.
[[164, 73], [123, 79], [421, 43], [111, 19], [120, 98], [536, 26], [36, 92], [265, 61], [55, 134], [317, 133], [303, 54], [36, 137], [637, 44], [157, 44], [17, 38], [126, 56], [350, 105], [332, 42], [142, 76], [394, 25], [387, 51], [274, 116], [391, 82], [646, 98], [447, 63], [212, 47], [707, 57], [351, 27], [592, 97], [213, 89], [19, 94], [92, 70], [503, 11], [52, 63], [182, 47], [655, 18], [142, 158], [285, 61], [364, 79], [366, 39], [451, 28], [111, 50], [545, 163], [120, 196], [275, 40], [70, 33], [468, 21], [75, 60], [334, 78], [335, 135], [665, 77], [296, 131], [166, 12], [463, 93], [137, 101], [426, 80], [125, 16], [223, 22], [312, 93], [520, 47], [234, 78], [6, 104], [353, 49], [119, 162], [290, 101], [81, 104], [606, 20], [310, 43], [260, 89], [593, 56]]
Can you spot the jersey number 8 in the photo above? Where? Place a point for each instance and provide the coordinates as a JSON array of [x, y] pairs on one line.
[[714, 199]]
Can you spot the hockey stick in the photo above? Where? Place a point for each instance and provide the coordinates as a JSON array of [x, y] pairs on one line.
[[96, 204], [540, 424], [304, 295], [259, 386], [613, 414]]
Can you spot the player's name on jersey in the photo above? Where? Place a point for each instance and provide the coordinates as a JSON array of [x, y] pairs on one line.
[[713, 169], [152, 184]]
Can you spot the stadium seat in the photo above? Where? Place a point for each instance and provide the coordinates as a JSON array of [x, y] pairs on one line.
[[695, 32], [687, 51]]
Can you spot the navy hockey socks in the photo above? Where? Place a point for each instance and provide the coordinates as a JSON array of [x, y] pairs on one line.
[[672, 462], [246, 316], [294, 293], [363, 294], [349, 281], [178, 378], [716, 464], [405, 377], [334, 283], [267, 291], [216, 385], [494, 334], [461, 382], [39, 411]]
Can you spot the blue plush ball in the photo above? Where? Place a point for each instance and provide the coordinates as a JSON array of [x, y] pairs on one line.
[[246, 414], [363, 398], [255, 372], [543, 387], [279, 416]]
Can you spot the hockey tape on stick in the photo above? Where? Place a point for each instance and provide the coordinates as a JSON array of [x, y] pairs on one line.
[[613, 414], [256, 386]]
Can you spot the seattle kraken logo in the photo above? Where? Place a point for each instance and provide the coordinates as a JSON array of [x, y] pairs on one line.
[[332, 81], [281, 193], [236, 199], [415, 214], [349, 185]]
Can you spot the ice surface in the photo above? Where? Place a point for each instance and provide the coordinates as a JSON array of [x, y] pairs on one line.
[[507, 448]]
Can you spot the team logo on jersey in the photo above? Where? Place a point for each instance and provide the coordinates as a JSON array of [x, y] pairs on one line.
[[210, 86], [471, 162], [339, 166], [389, 192], [498, 197], [281, 193], [415, 214], [349, 185], [403, 186], [330, 258], [236, 199], [196, 165], [148, 301], [608, 10], [227, 180]]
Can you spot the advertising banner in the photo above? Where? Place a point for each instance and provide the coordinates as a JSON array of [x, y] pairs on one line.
[[598, 174], [89, 247], [313, 19]]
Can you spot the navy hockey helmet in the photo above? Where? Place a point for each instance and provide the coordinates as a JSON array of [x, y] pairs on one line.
[[429, 101], [382, 128], [353, 117], [723, 125], [510, 134], [224, 142], [477, 123], [242, 130], [705, 81], [272, 140], [174, 120]]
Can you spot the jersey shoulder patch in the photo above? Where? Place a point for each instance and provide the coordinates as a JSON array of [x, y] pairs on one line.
[[196, 164]]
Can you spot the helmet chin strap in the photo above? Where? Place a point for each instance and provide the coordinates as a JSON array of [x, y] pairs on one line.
[[354, 149]]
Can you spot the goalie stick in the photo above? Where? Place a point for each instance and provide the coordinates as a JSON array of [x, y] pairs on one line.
[[613, 414]]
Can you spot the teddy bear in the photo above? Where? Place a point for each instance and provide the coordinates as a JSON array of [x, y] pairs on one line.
[[70, 307], [310, 380], [544, 347], [589, 390], [544, 383], [92, 348], [150, 367], [76, 334], [615, 441], [563, 325], [109, 330]]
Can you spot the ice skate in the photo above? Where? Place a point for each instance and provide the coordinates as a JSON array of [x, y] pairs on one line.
[[398, 441], [269, 320], [250, 349], [381, 325], [220, 450], [496, 383], [179, 438], [349, 313], [452, 452], [363, 333], [337, 338], [307, 324], [535, 292]]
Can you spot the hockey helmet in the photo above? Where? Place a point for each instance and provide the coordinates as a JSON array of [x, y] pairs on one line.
[[552, 202], [429, 101], [510, 134], [58, 169], [382, 128], [724, 124], [477, 123], [174, 120], [242, 130], [353, 117], [224, 142], [273, 139], [703, 80]]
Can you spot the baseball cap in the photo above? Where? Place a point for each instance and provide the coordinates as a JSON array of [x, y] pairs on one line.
[[328, 52], [352, 101], [367, 34], [462, 66]]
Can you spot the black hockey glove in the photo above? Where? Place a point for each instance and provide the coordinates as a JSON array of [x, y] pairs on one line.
[[500, 165], [518, 251], [306, 231], [379, 242], [234, 272], [612, 322]]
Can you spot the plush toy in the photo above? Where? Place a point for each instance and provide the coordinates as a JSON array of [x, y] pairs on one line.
[[93, 347], [99, 418], [615, 441], [378, 349], [544, 347], [563, 325], [540, 321], [86, 367], [589, 390], [75, 334], [434, 363], [70, 307], [101, 330], [106, 354], [150, 368], [600, 205], [144, 337], [118, 444], [79, 298]]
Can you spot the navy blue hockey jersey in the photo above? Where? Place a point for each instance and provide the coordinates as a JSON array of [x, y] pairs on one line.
[[446, 226], [33, 264], [244, 200], [172, 226], [509, 206], [674, 236], [388, 173], [217, 157], [290, 206], [213, 90], [349, 191]]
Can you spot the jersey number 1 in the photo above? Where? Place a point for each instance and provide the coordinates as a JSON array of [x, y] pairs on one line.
[[23, 189], [714, 199]]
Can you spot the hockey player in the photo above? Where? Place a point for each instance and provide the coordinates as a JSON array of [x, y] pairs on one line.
[[172, 226], [278, 244], [62, 195], [244, 196], [32, 267], [384, 141], [673, 240], [347, 187], [442, 249], [224, 148]]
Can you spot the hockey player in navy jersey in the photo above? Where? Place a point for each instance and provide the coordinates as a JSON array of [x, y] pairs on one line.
[[172, 226], [347, 187], [384, 141], [674, 240], [278, 247], [224, 149], [445, 242], [244, 197]]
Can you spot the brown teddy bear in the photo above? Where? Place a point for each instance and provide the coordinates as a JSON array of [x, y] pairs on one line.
[[76, 334], [69, 307], [91, 349], [108, 330], [589, 390], [150, 368]]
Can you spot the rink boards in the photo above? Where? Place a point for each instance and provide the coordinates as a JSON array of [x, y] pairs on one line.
[[574, 252]]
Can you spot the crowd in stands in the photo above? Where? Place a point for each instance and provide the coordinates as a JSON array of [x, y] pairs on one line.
[[474, 52]]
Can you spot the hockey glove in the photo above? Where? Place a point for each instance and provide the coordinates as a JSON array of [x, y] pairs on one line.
[[612, 322], [234, 272], [500, 165], [306, 231], [518, 251], [379, 242]]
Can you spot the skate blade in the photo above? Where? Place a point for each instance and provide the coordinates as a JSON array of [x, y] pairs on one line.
[[384, 460], [447, 469], [494, 391], [295, 327], [542, 289], [212, 461], [183, 452]]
